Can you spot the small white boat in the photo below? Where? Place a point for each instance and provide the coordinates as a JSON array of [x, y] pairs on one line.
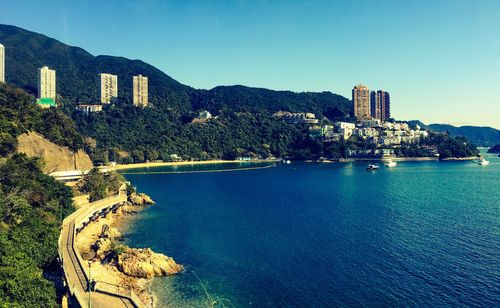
[[288, 162], [483, 162], [391, 163], [372, 167]]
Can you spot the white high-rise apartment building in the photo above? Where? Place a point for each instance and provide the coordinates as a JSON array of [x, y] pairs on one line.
[[140, 91], [46, 83], [2, 63], [108, 87]]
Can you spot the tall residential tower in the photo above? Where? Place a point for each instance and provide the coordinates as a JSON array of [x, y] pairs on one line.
[[361, 100], [140, 85], [2, 64], [108, 87], [47, 83], [385, 105], [375, 105], [380, 105]]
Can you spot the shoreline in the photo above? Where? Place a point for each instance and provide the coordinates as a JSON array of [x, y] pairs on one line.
[[397, 159], [104, 270], [118, 167], [427, 158]]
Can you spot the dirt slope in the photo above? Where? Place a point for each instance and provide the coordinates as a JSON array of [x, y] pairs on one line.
[[57, 158]]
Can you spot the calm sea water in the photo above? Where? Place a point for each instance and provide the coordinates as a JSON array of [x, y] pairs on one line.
[[421, 234]]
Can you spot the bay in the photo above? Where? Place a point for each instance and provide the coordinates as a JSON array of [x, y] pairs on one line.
[[305, 234]]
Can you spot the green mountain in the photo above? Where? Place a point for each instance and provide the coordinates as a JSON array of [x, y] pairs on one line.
[[77, 70], [244, 124], [18, 115], [77, 76], [481, 136]]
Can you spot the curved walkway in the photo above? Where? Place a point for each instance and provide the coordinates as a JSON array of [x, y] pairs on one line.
[[75, 269]]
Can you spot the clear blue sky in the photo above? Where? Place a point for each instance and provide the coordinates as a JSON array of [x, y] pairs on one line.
[[440, 60]]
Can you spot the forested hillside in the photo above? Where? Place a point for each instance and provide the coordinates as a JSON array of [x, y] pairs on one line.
[[481, 136], [32, 204], [18, 114], [244, 124]]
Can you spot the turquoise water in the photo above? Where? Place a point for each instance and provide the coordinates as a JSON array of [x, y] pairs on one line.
[[420, 234]]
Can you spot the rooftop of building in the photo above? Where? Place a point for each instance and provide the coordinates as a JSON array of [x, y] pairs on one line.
[[46, 101]]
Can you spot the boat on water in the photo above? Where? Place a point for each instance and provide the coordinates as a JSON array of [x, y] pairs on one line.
[[391, 163], [483, 162], [372, 167], [286, 161]]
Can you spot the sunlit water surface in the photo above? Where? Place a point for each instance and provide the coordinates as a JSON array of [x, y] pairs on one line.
[[423, 233]]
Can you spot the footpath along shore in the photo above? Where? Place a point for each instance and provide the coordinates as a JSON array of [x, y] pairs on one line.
[[89, 246], [76, 272]]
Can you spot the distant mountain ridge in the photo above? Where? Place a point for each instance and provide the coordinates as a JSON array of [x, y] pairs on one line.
[[479, 135], [244, 125], [77, 70], [77, 79]]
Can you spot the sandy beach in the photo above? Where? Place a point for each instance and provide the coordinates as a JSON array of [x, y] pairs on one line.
[[182, 163]]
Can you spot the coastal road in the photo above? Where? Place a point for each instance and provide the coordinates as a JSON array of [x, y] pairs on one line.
[[74, 267]]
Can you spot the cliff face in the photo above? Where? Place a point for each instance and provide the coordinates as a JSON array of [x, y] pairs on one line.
[[57, 158]]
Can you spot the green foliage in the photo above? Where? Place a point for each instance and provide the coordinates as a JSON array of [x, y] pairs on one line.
[[19, 114], [21, 280], [412, 150], [157, 135], [8, 144], [449, 146], [117, 250], [100, 185], [32, 206], [163, 128]]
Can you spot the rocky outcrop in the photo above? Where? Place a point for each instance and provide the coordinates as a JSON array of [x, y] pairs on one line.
[[57, 158], [105, 241], [144, 263], [140, 199]]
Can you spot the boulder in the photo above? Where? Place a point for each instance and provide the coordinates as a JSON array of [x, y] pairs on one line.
[[102, 246], [105, 241], [109, 232], [144, 263], [140, 199]]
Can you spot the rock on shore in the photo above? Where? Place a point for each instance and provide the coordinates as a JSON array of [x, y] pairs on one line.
[[144, 263], [105, 241], [133, 262], [140, 199]]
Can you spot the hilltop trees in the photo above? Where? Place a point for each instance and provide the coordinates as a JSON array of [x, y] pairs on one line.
[[32, 206], [18, 114]]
